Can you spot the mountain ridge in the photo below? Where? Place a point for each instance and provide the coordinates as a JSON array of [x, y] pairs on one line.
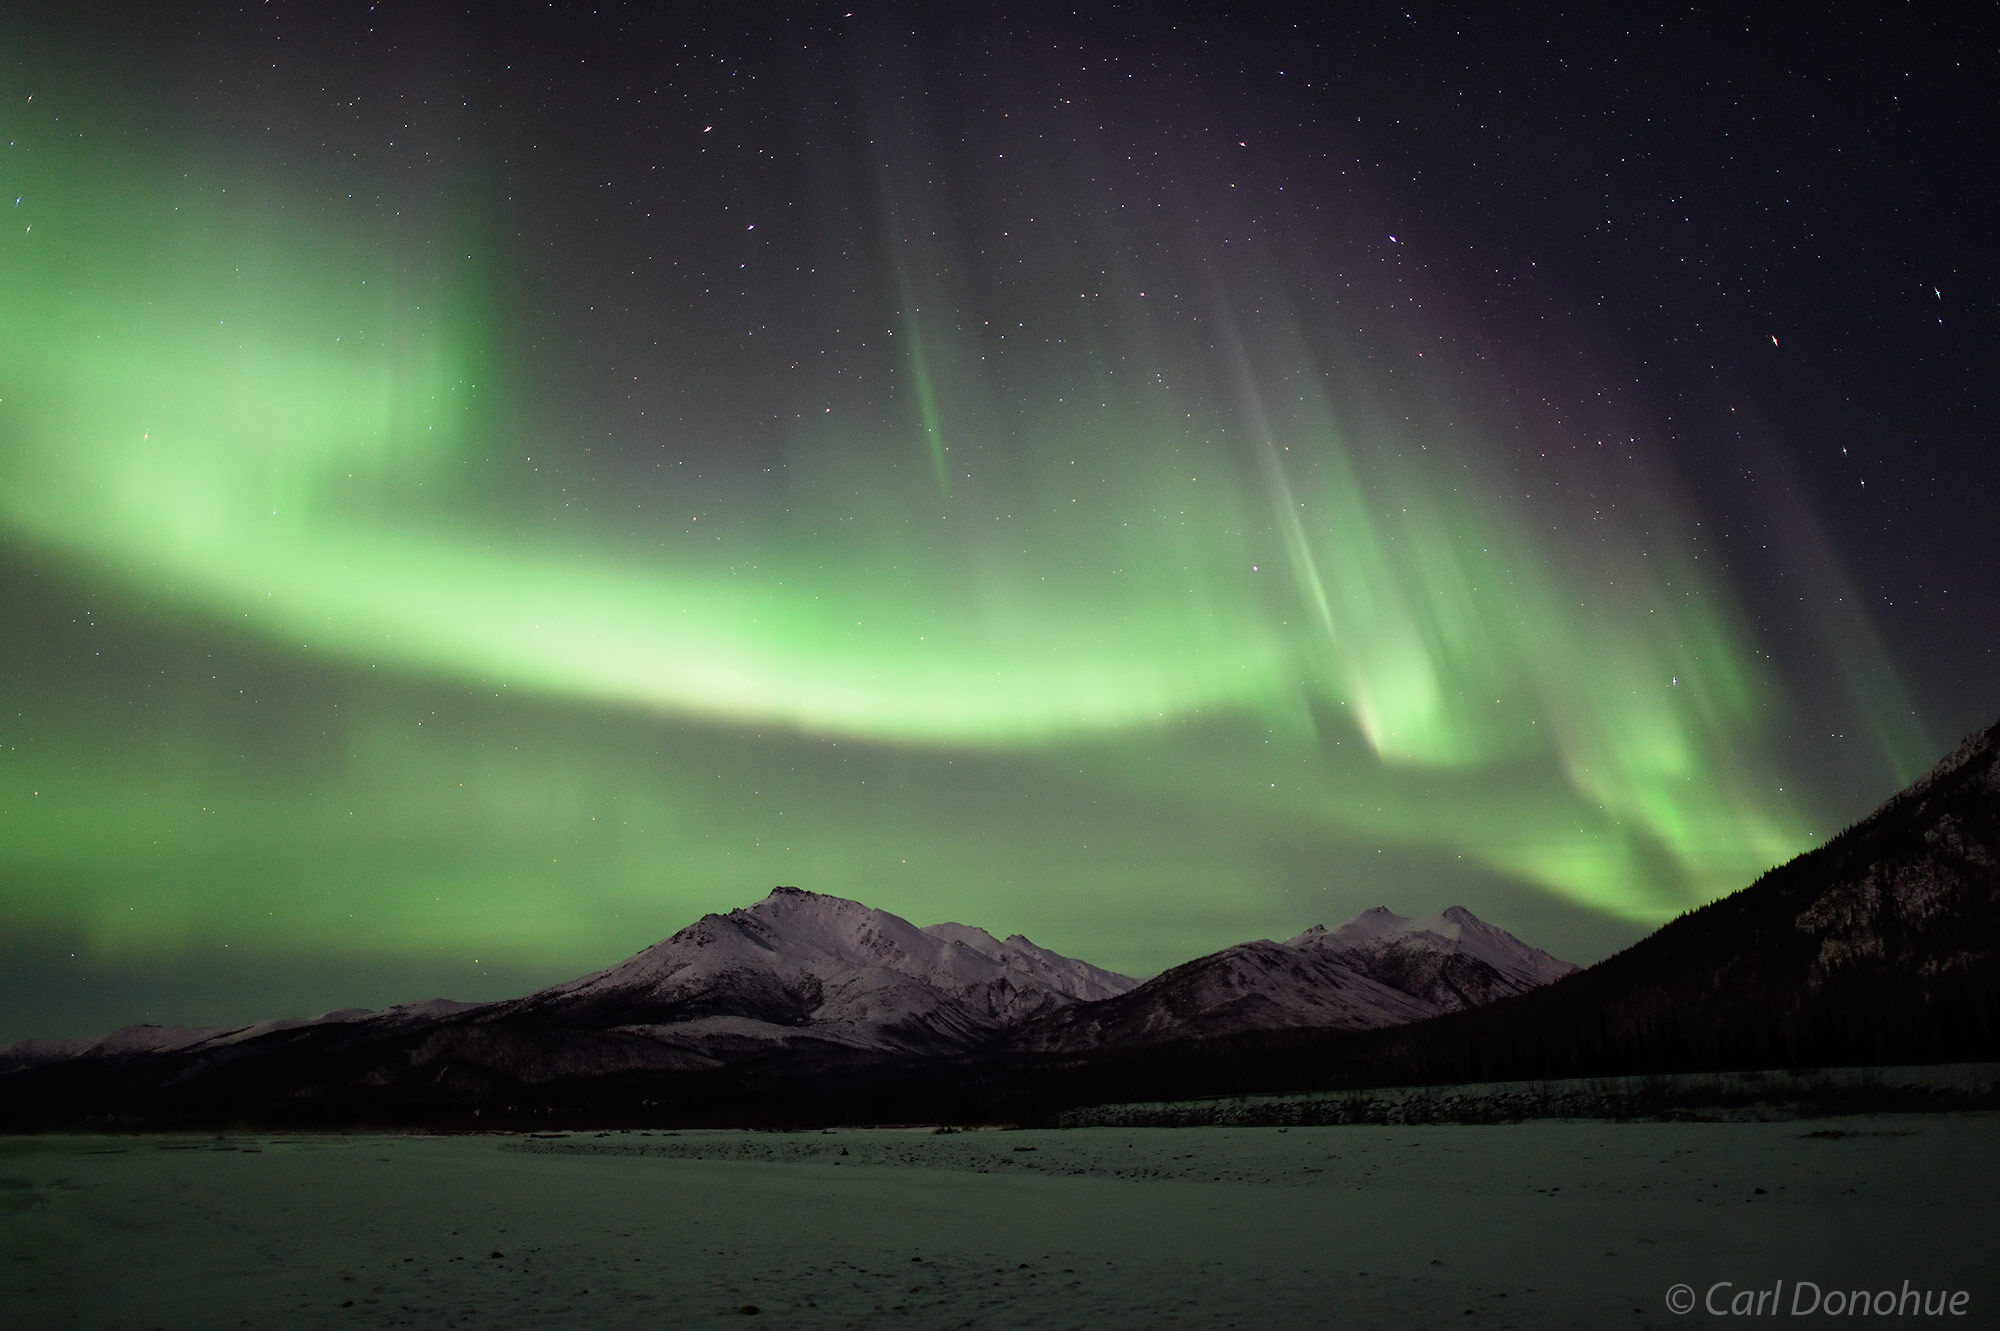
[[798, 959], [798, 985]]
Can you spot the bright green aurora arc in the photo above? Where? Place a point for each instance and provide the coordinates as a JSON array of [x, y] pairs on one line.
[[1141, 578]]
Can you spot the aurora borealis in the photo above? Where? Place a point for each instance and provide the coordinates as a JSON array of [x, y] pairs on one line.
[[479, 489]]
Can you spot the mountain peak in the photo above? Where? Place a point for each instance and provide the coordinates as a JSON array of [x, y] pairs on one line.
[[1372, 923], [799, 961], [786, 895], [797, 898], [1375, 922], [1451, 922], [1389, 945]]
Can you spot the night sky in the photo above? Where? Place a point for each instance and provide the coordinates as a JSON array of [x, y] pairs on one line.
[[481, 486]]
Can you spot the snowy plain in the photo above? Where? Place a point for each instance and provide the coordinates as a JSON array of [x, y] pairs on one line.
[[1554, 1223]]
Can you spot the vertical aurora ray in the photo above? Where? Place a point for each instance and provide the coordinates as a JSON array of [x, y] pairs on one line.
[[920, 382], [1440, 624]]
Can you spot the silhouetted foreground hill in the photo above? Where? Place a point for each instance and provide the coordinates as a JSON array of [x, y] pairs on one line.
[[1883, 946]]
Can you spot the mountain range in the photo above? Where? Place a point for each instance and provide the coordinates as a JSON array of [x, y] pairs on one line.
[[815, 983], [1883, 945]]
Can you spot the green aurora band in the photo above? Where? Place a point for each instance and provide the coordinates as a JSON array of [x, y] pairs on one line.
[[1258, 590]]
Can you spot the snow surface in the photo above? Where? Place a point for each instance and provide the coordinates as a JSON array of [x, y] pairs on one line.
[[1532, 1225]]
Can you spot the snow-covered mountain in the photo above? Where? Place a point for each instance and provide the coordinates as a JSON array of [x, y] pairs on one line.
[[796, 991], [151, 1039], [1450, 960], [800, 963], [139, 1039], [800, 971], [1256, 986], [1378, 969]]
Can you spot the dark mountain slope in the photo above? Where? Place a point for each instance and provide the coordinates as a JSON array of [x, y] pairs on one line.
[[1882, 946]]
